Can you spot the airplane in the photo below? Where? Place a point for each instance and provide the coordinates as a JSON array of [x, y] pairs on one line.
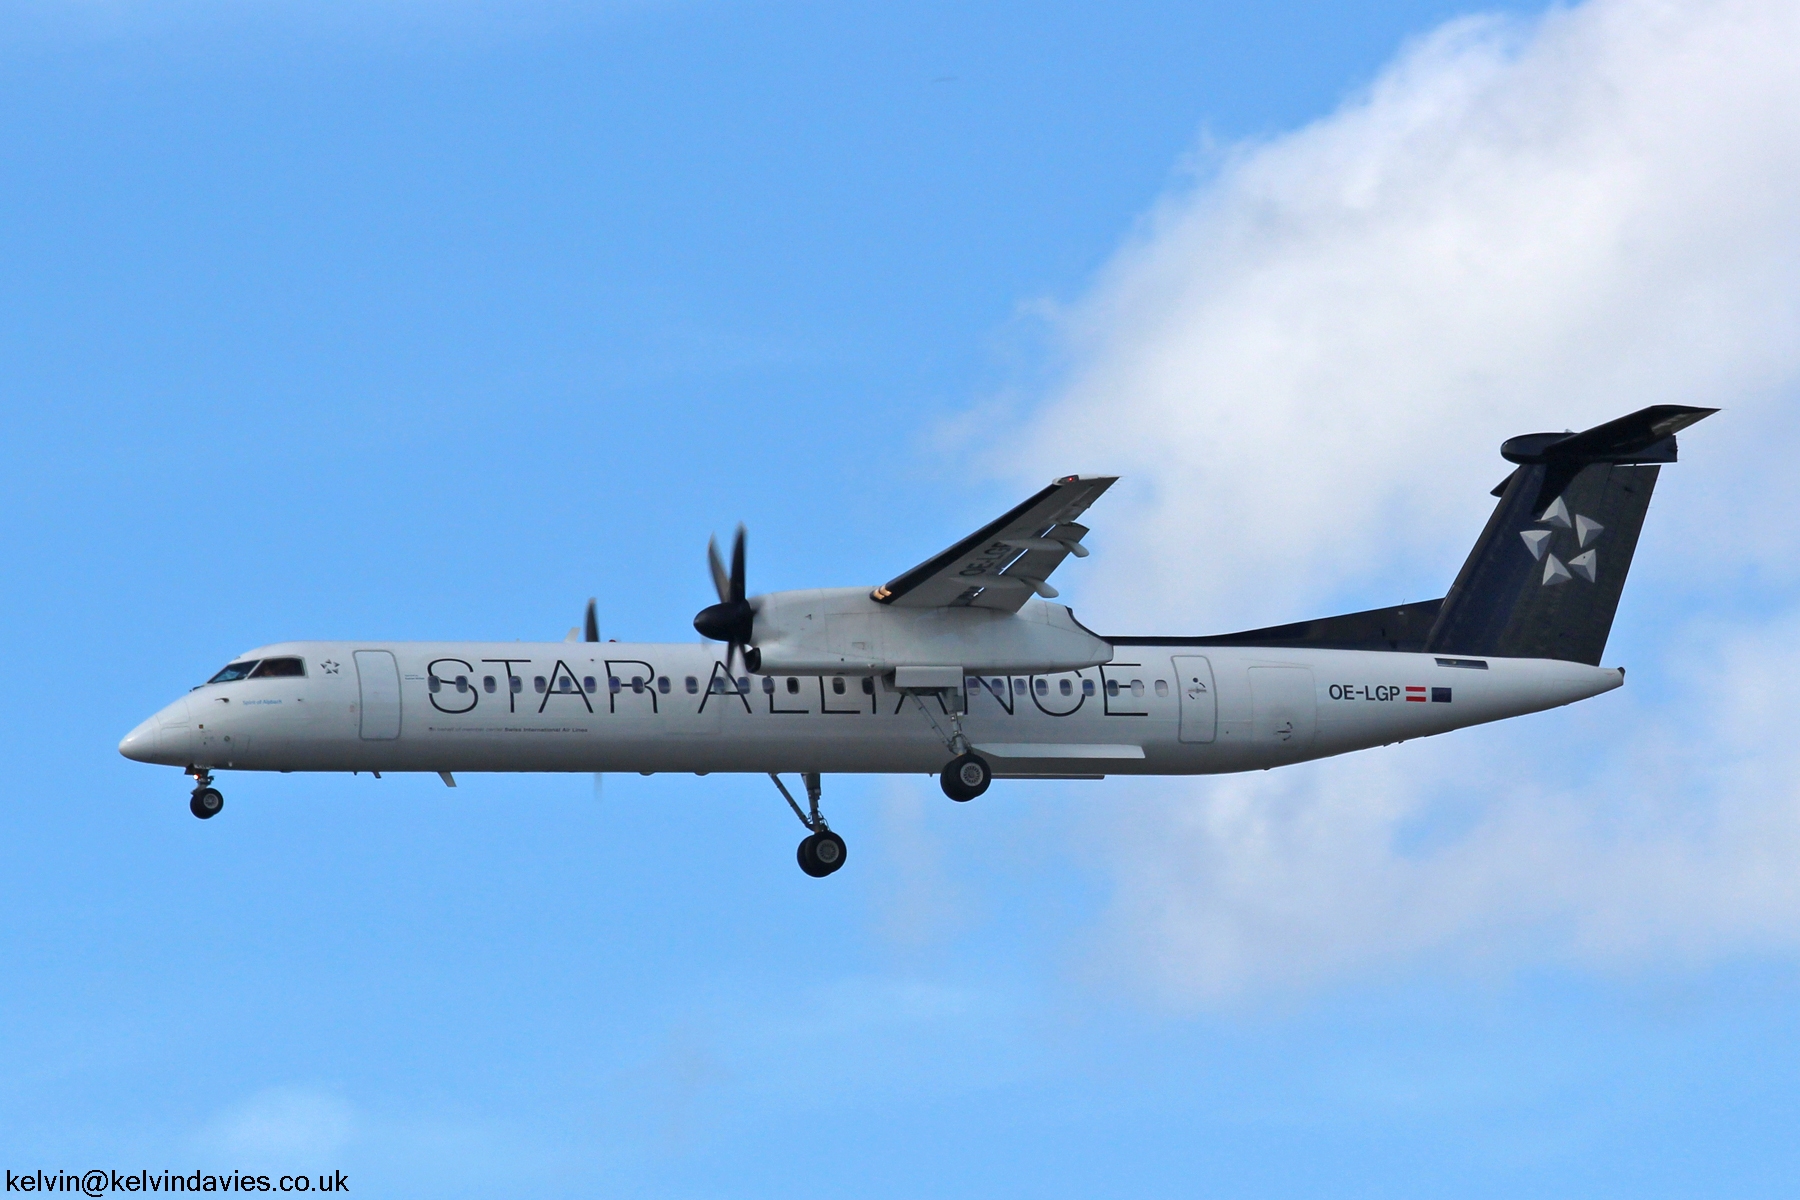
[[965, 667]]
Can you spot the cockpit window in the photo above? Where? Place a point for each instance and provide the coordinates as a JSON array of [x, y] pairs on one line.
[[236, 670], [278, 666]]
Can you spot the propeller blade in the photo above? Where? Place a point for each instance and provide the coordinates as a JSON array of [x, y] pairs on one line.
[[593, 622], [721, 583], [733, 619], [737, 565]]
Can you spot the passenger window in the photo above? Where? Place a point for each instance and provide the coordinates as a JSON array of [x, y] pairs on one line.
[[868, 686], [1062, 685], [540, 683], [517, 684], [235, 671], [1087, 687], [590, 683], [462, 683], [1043, 687], [637, 684], [488, 684], [1162, 687], [768, 685], [1019, 685], [433, 684], [613, 685], [1112, 687], [565, 683], [278, 666], [743, 685], [1137, 687], [693, 686], [793, 686], [837, 686], [662, 684]]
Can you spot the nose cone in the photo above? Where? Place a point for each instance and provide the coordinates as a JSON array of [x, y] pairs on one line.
[[140, 744], [162, 739]]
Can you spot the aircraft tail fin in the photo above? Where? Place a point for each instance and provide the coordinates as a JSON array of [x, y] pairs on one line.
[[1544, 578]]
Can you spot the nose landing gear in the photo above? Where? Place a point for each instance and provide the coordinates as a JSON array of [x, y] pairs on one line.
[[821, 852], [207, 801]]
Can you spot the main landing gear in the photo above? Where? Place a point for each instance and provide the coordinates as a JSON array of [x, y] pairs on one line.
[[207, 801], [967, 775], [821, 851]]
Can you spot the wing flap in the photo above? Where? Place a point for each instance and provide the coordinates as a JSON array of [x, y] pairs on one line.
[[1049, 750]]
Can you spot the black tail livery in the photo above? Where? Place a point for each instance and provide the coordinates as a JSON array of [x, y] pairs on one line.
[[1544, 578]]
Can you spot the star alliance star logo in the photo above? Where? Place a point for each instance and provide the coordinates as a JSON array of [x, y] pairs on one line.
[[331, 668], [1586, 564]]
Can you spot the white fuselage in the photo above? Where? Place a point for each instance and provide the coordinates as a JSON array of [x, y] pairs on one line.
[[611, 706]]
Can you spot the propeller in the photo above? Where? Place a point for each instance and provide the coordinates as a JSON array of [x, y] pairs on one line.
[[593, 635], [733, 619]]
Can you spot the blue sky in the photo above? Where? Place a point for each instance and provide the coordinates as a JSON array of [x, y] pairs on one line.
[[431, 321]]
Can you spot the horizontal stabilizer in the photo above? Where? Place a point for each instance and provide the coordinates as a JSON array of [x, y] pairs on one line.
[[1643, 437]]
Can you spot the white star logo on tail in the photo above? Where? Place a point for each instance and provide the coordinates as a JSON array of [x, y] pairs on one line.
[[1585, 565]]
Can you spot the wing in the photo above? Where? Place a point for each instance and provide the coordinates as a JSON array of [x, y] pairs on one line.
[[1004, 563]]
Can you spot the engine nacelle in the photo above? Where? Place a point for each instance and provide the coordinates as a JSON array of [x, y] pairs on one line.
[[841, 631]]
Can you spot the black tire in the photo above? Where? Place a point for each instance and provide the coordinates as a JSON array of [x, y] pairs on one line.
[[206, 803], [821, 853], [966, 777], [804, 856]]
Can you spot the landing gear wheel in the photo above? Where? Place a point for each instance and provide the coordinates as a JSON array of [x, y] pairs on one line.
[[206, 803], [967, 776], [821, 853]]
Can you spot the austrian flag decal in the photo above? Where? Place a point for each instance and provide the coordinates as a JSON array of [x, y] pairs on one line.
[[1416, 694], [1419, 695]]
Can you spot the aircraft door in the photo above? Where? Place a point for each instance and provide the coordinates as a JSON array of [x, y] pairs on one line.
[[1286, 706], [379, 678], [1199, 701]]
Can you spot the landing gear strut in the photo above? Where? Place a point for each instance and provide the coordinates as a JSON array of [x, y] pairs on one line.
[[821, 851], [207, 801]]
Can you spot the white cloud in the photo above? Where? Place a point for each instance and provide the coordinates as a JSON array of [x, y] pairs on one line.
[[1555, 841], [1304, 364]]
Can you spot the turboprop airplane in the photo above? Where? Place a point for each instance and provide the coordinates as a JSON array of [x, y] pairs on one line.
[[965, 667]]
